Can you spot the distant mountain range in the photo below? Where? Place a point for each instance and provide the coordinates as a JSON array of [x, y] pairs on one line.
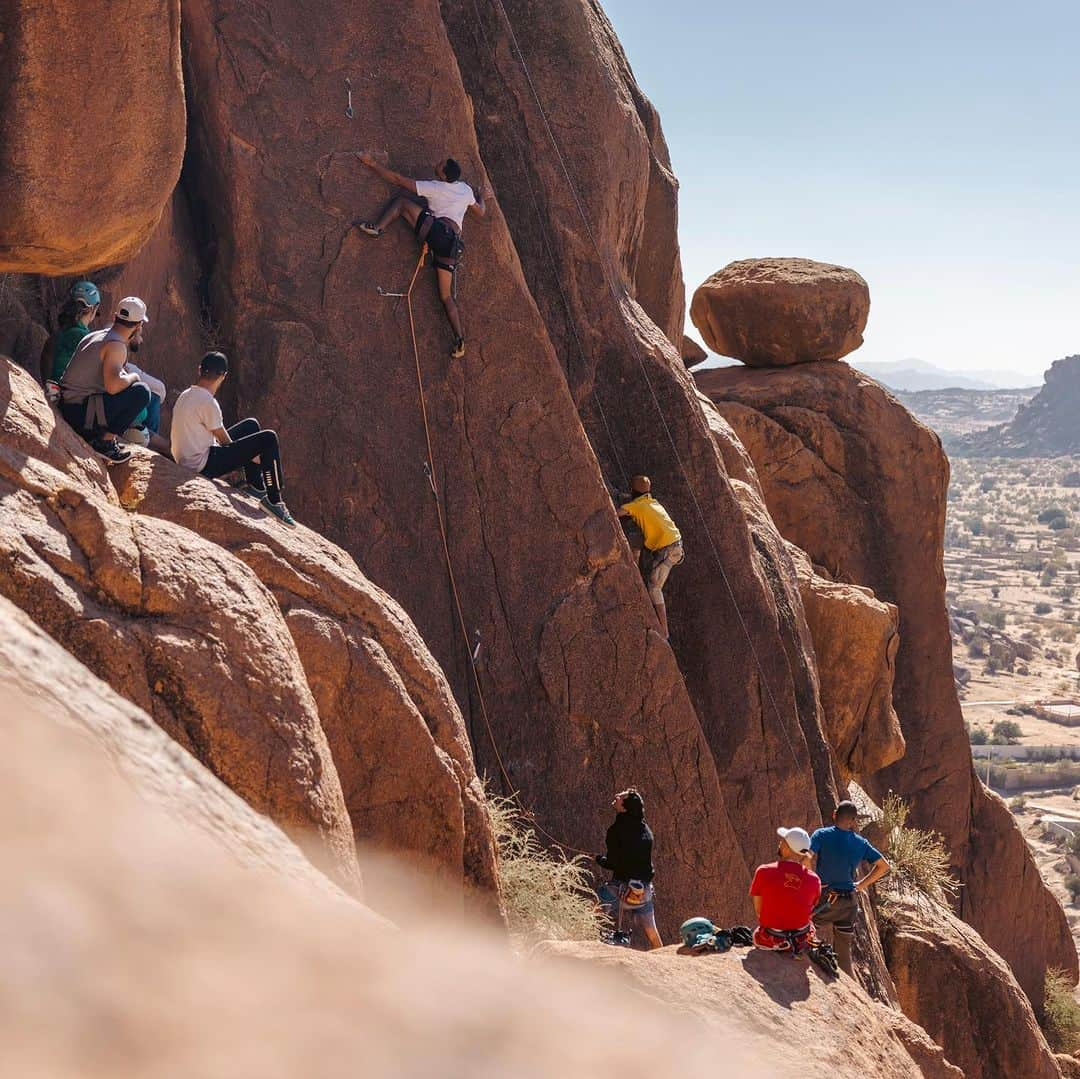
[[912, 375]]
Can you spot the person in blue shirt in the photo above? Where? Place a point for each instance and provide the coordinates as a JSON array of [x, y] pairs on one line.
[[838, 852]]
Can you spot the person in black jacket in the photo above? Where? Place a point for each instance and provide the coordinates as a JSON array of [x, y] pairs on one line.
[[629, 893]]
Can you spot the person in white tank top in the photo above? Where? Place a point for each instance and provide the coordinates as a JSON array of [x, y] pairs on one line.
[[438, 225]]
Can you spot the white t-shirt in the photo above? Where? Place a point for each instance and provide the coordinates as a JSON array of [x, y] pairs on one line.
[[195, 415], [447, 200]]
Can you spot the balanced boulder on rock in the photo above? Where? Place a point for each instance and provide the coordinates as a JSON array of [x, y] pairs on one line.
[[778, 312]]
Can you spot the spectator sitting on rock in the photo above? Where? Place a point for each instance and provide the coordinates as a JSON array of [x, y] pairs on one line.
[[73, 324], [839, 851], [201, 442], [98, 397], [785, 893], [629, 893], [663, 542], [449, 199]]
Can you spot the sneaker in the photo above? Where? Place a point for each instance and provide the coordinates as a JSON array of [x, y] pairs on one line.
[[369, 228], [459, 348], [279, 510], [249, 490], [110, 451]]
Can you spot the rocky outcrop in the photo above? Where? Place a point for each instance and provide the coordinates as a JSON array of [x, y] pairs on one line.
[[145, 604], [397, 738], [1045, 426], [804, 1016], [855, 642], [776, 312], [962, 994], [93, 131], [852, 479], [44, 686]]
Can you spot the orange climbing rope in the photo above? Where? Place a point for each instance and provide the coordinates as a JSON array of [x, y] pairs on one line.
[[430, 469]]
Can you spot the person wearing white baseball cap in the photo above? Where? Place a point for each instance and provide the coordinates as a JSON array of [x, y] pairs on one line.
[[785, 893], [98, 397]]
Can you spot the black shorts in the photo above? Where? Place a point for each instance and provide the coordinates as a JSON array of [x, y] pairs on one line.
[[445, 244]]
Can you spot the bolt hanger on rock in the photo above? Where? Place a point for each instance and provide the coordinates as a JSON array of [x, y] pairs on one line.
[[348, 91]]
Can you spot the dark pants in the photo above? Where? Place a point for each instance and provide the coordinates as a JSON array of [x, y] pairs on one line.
[[153, 414], [120, 410], [841, 915], [255, 451]]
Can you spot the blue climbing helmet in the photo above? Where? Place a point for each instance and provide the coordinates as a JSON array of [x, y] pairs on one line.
[[86, 291], [694, 930]]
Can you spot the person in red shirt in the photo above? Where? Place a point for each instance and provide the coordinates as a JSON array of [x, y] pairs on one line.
[[785, 893]]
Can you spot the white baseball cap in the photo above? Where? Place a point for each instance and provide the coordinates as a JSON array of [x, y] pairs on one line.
[[796, 838], [132, 309]]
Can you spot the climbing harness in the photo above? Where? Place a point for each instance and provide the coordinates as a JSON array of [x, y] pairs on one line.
[[348, 92], [472, 650]]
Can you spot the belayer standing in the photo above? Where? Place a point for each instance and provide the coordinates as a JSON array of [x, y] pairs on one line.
[[839, 851], [663, 542], [449, 199], [628, 857]]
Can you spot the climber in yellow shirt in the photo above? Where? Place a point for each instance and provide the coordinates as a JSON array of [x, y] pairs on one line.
[[663, 542]]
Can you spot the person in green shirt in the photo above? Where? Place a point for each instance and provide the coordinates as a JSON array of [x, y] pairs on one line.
[[73, 324]]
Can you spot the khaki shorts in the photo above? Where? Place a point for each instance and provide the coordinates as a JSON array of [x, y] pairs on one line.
[[663, 562]]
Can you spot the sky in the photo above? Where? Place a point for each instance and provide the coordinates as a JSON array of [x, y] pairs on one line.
[[932, 146]]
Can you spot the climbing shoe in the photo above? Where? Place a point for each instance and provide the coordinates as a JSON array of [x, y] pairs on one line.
[[369, 228], [110, 451], [823, 956], [742, 936], [279, 510], [459, 348]]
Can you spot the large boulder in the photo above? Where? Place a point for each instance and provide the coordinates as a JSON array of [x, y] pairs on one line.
[[958, 990], [856, 482], [776, 312], [396, 735], [92, 138], [171, 621]]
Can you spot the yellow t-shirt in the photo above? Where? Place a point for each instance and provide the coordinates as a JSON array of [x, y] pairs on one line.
[[653, 520]]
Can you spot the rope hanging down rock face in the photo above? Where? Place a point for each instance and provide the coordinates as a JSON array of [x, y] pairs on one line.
[[472, 650]]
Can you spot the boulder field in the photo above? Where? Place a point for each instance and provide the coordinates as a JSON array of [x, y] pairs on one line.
[[322, 675]]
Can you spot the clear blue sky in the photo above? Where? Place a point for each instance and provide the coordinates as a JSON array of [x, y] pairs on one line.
[[932, 146]]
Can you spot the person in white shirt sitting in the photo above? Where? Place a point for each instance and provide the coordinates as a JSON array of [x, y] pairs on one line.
[[449, 199], [201, 442]]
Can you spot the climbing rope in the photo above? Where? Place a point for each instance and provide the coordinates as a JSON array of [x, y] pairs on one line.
[[634, 349], [471, 650]]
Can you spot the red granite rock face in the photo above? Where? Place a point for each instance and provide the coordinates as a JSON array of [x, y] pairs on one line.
[[856, 482], [92, 137]]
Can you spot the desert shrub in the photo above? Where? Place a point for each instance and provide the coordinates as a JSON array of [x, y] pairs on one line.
[[988, 484], [978, 736], [1058, 524], [1018, 805], [1048, 576], [995, 590], [1043, 608], [1061, 1021], [1007, 729], [993, 665], [997, 619], [977, 648], [919, 860], [1049, 514], [548, 896], [1071, 479]]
